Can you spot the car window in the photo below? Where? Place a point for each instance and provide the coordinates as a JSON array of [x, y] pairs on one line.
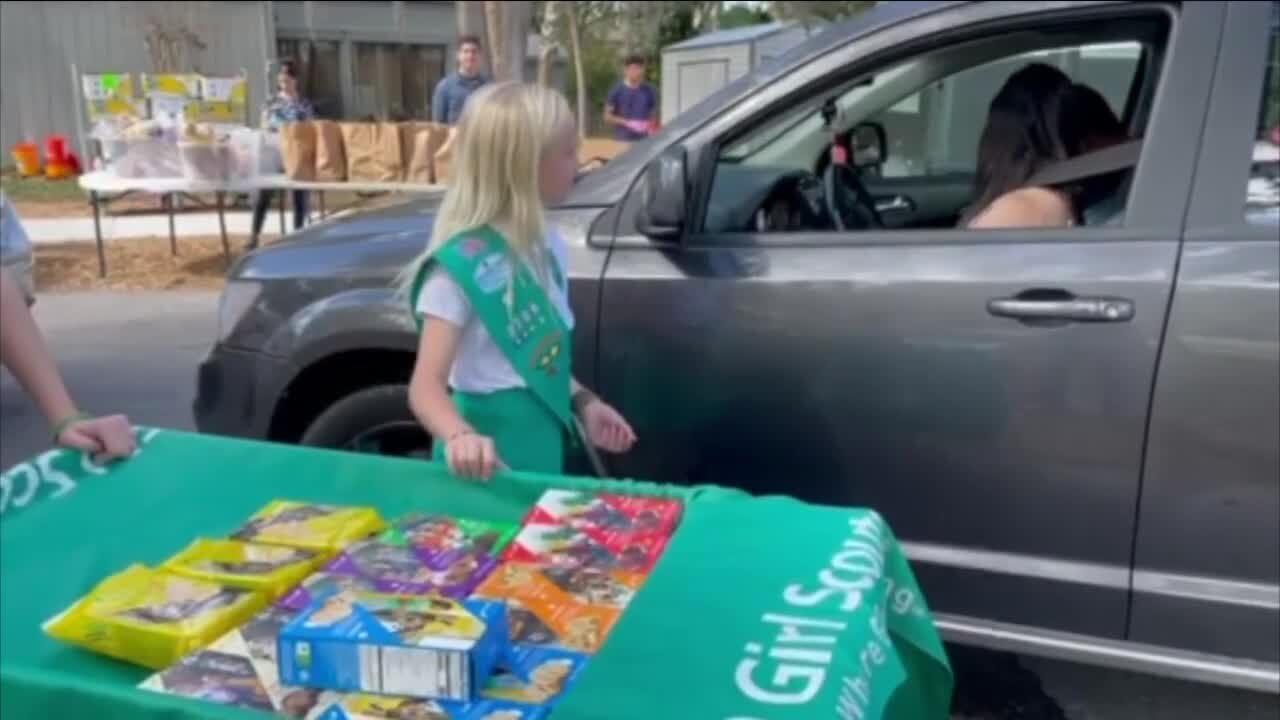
[[1262, 195], [932, 109], [935, 130]]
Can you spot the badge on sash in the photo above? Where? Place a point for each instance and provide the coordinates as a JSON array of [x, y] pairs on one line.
[[493, 271]]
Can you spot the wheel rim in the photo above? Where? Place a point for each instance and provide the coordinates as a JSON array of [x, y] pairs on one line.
[[398, 439]]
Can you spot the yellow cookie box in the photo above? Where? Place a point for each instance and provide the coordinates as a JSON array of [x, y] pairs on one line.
[[272, 570], [152, 617], [326, 528]]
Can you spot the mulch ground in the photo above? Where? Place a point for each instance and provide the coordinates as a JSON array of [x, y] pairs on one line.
[[135, 264]]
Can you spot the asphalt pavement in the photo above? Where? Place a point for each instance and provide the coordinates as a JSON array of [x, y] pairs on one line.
[[137, 353]]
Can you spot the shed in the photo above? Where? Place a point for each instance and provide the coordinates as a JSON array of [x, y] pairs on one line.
[[697, 67]]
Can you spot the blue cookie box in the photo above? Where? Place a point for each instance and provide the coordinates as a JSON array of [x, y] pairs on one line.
[[348, 656], [463, 711]]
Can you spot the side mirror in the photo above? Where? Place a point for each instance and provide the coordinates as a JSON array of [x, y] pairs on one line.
[[870, 145], [663, 207]]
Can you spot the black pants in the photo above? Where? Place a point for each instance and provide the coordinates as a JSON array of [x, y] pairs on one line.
[[263, 204]]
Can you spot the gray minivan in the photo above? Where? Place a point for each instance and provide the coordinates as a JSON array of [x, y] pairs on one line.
[[1076, 431]]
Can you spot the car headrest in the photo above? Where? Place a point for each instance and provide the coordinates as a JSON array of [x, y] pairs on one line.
[[1116, 158]]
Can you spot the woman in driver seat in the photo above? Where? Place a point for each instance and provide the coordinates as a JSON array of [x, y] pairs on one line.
[[1039, 117]]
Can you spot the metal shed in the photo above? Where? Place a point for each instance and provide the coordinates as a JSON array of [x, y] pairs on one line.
[[697, 67]]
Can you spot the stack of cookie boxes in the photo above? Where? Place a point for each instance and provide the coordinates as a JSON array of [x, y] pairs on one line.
[[517, 618]]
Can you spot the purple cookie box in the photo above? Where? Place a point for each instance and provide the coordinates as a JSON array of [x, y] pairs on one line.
[[379, 567]]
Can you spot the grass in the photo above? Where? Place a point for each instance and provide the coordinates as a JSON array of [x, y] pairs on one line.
[[38, 190]]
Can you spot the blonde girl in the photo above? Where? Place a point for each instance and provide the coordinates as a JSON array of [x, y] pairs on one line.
[[492, 382]]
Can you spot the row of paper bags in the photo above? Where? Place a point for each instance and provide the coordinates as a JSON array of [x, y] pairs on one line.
[[326, 151]]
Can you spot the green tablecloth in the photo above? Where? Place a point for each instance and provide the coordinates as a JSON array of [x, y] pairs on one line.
[[761, 608]]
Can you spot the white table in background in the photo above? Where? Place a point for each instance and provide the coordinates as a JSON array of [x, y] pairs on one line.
[[104, 187]]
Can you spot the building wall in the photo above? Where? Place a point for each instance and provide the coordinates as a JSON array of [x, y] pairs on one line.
[[690, 75], [40, 41]]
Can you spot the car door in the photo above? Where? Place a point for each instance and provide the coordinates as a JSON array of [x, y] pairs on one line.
[[867, 368], [1207, 562]]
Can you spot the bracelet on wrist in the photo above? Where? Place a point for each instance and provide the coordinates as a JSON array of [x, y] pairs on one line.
[[62, 425], [581, 400]]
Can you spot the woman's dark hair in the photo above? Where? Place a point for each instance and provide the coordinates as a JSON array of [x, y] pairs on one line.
[[1040, 117], [290, 68], [1093, 123], [1023, 133]]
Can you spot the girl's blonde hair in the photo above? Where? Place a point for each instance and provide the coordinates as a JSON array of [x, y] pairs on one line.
[[500, 141]]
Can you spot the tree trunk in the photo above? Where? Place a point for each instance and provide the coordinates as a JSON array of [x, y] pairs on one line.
[[550, 44], [517, 23], [493, 24], [579, 70]]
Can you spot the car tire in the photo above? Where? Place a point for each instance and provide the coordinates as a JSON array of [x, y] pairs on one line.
[[374, 420]]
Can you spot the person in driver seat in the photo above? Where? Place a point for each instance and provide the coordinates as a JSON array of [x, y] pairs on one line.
[[1040, 117]]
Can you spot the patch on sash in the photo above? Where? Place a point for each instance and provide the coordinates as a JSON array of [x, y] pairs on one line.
[[472, 247], [492, 273], [547, 355]]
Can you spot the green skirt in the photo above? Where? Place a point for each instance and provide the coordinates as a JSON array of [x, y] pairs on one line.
[[528, 436]]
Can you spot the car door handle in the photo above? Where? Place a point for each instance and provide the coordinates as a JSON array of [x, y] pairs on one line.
[[1060, 306], [897, 203]]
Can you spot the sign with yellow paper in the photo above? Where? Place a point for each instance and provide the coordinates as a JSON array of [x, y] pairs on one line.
[[179, 85], [110, 95], [223, 100]]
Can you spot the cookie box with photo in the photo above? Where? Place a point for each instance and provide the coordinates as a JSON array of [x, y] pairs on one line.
[[427, 647], [153, 617], [563, 546], [568, 608], [399, 569], [443, 541], [240, 670], [325, 528], [270, 569], [534, 675], [380, 707], [607, 516]]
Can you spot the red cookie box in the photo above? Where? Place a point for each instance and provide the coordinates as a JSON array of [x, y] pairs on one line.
[[561, 546], [607, 517]]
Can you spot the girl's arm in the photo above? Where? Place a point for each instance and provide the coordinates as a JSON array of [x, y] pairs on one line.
[[429, 389], [23, 351], [468, 454]]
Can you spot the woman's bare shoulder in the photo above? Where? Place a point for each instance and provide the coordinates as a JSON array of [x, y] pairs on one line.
[[1026, 207]]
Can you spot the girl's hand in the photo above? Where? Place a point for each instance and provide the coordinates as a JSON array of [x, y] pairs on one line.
[[606, 428], [104, 439], [472, 456]]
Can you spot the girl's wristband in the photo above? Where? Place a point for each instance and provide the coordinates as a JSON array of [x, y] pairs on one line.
[[67, 422], [581, 400]]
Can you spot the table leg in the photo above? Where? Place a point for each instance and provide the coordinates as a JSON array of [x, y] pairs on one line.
[[322, 212], [95, 201], [222, 228], [173, 236], [281, 197]]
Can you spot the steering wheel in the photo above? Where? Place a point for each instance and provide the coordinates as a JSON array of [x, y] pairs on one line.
[[850, 205]]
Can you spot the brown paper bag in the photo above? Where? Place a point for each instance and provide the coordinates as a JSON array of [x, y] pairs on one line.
[[331, 158], [443, 156], [298, 150], [419, 165], [373, 152]]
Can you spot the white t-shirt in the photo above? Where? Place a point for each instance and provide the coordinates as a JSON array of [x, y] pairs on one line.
[[479, 366]]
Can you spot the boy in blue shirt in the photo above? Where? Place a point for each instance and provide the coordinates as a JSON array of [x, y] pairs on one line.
[[632, 106], [453, 90]]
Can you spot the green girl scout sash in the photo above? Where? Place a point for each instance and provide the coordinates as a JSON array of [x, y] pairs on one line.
[[524, 422]]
